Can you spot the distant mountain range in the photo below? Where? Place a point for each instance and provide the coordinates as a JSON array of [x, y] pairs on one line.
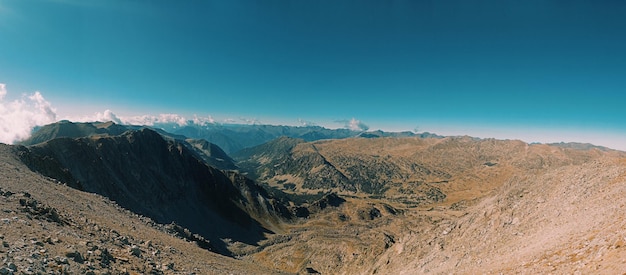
[[229, 137], [234, 137]]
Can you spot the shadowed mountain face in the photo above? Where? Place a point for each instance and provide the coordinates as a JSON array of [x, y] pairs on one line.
[[212, 154], [51, 228], [161, 179]]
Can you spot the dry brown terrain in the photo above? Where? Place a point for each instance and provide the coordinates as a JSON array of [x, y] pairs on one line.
[[89, 233], [510, 207], [453, 205]]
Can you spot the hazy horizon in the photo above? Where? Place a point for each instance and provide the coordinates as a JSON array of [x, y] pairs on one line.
[[542, 71]]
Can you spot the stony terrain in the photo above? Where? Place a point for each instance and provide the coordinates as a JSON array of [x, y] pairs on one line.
[[49, 228], [374, 205], [568, 220]]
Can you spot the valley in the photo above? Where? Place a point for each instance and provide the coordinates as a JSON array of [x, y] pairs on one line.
[[159, 203]]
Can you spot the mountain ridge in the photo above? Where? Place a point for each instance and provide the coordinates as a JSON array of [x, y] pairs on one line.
[[161, 179]]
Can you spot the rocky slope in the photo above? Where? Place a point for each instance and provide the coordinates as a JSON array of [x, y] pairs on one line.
[[47, 227], [162, 179], [212, 154], [565, 220], [506, 206]]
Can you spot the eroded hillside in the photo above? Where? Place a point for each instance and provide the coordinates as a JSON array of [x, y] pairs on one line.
[[502, 206], [408, 170]]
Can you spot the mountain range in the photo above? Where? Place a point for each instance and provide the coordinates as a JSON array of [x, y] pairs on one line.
[[235, 137], [286, 199]]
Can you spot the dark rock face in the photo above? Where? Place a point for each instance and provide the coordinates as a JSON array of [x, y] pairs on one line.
[[434, 194], [310, 270], [369, 214], [330, 200], [211, 154], [162, 179], [302, 212], [47, 166], [40, 211]]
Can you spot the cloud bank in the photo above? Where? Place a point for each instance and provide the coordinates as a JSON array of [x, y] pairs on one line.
[[147, 120], [19, 117]]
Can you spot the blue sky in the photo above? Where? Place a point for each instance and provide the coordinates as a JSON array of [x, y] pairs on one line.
[[505, 69]]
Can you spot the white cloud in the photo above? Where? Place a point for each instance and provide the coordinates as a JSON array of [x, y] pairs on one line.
[[45, 112], [148, 120], [19, 117], [354, 124], [151, 120], [105, 116], [108, 115], [203, 121], [250, 121]]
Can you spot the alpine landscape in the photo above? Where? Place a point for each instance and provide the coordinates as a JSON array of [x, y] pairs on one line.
[[312, 137], [103, 198]]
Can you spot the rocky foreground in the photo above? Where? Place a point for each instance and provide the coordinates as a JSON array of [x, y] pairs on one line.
[[49, 228]]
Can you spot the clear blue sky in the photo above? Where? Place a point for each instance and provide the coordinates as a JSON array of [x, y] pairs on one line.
[[499, 66]]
